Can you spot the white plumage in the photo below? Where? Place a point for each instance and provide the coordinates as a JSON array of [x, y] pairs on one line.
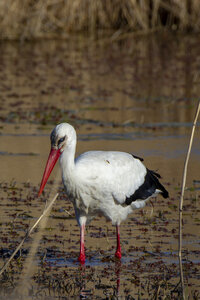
[[109, 183], [103, 181]]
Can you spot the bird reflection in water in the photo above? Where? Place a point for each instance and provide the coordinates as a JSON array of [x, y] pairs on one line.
[[107, 289]]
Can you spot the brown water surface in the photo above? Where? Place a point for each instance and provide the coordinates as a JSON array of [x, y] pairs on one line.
[[137, 95]]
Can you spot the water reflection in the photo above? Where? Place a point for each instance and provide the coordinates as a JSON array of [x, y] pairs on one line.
[[107, 289], [109, 82]]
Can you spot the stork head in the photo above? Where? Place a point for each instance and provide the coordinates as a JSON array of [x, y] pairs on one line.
[[62, 136]]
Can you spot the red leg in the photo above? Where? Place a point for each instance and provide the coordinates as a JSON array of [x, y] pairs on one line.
[[118, 253], [82, 246]]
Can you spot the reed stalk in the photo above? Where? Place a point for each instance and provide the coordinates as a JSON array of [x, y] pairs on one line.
[[181, 200], [46, 210]]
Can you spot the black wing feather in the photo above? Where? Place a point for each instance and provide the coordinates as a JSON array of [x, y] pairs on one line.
[[148, 188]]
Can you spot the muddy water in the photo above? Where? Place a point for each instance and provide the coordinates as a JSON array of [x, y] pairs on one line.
[[136, 95]]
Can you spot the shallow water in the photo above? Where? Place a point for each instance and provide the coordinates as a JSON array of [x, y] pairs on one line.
[[137, 95]]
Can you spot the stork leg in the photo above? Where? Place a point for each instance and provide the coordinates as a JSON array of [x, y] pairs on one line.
[[118, 253], [82, 245]]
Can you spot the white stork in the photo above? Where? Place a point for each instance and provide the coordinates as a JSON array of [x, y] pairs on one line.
[[108, 183]]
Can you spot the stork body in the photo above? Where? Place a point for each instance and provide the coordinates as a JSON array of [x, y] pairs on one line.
[[107, 183]]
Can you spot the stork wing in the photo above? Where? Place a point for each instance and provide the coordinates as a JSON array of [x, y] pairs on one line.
[[114, 173]]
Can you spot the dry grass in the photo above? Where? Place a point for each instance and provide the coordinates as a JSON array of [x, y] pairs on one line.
[[27, 19]]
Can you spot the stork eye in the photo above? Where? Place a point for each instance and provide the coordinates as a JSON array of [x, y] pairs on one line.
[[61, 140]]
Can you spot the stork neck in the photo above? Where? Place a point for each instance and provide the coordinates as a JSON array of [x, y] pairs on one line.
[[67, 158]]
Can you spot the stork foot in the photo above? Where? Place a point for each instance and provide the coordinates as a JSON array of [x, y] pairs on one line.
[[81, 258], [118, 254]]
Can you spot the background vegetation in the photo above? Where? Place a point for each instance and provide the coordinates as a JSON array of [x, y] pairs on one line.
[[27, 19]]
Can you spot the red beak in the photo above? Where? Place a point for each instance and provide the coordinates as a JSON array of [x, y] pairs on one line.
[[52, 159]]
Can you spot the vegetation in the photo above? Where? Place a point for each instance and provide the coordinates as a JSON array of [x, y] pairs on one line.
[[27, 19]]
